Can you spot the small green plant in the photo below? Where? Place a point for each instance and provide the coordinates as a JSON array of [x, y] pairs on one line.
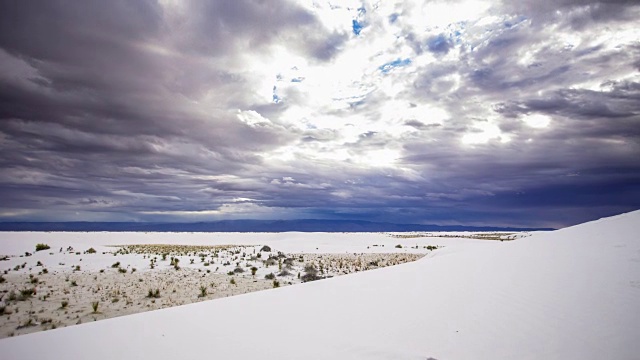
[[64, 304], [77, 268], [91, 251], [40, 247], [253, 271], [276, 283], [203, 291], [232, 281], [94, 305], [153, 294]]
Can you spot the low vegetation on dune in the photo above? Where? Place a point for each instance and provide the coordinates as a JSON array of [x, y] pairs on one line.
[[67, 294]]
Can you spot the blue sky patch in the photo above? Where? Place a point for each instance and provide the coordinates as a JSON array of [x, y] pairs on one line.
[[394, 64], [357, 27]]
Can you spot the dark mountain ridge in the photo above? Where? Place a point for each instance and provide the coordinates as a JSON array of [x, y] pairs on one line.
[[249, 226]]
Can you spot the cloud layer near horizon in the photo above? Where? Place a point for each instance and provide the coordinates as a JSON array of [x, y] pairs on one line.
[[470, 112]]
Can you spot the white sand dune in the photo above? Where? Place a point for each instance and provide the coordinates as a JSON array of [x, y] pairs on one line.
[[567, 294]]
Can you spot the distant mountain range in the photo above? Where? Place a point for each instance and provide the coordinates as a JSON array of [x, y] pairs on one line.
[[248, 226]]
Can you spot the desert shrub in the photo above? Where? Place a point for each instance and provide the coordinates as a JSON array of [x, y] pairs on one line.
[[116, 265], [12, 295], [203, 291], [431, 247], [238, 270], [74, 283], [265, 248], [232, 281], [276, 283], [253, 270], [133, 270], [2, 309], [284, 273], [39, 263], [153, 294], [270, 261], [122, 270], [40, 247], [2, 279], [398, 246], [45, 271], [94, 305], [311, 273], [206, 264], [91, 251], [270, 276], [34, 280], [26, 294], [230, 273]]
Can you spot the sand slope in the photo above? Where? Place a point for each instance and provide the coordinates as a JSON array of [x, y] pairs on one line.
[[568, 294]]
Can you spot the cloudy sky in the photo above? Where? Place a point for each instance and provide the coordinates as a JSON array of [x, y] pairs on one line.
[[451, 112]]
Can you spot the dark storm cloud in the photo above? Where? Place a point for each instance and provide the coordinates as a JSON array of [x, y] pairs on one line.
[[252, 25]]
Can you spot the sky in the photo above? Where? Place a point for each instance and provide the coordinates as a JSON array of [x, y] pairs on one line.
[[494, 113]]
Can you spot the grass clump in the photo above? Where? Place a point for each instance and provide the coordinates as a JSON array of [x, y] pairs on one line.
[[203, 291], [94, 306], [153, 293], [276, 283], [40, 247]]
